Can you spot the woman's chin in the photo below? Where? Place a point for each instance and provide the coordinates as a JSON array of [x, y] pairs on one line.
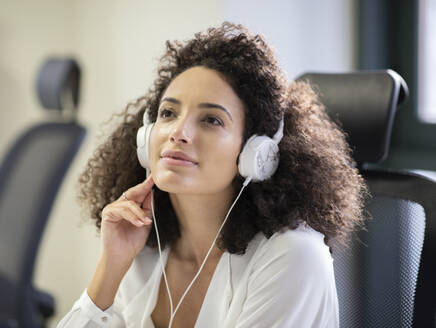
[[172, 182]]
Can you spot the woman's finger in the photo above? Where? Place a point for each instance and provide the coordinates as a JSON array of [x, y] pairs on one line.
[[139, 192], [123, 212], [134, 207], [146, 204]]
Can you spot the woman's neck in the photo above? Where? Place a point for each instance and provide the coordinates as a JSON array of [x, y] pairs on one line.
[[200, 216]]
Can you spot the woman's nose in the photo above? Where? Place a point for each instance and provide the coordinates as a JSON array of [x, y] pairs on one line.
[[182, 132]]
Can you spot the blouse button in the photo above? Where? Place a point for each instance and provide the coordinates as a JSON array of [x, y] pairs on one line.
[[104, 319]]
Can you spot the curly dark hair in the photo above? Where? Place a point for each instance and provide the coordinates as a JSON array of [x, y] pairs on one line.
[[317, 181]]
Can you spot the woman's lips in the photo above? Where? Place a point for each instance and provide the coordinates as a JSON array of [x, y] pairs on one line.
[[176, 161]]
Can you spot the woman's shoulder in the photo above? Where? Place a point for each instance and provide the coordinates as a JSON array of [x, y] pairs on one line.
[[302, 246]]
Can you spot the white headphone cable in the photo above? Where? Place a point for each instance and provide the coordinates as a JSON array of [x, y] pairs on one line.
[[160, 253], [173, 314]]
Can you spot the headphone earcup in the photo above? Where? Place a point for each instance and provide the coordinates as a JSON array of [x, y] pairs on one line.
[[142, 144], [259, 158]]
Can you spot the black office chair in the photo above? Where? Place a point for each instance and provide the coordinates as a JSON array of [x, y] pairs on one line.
[[30, 176], [387, 278]]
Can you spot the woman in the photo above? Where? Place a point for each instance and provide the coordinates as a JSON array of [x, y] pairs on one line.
[[258, 258]]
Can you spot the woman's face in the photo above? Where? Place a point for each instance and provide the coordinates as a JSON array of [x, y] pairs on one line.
[[201, 116]]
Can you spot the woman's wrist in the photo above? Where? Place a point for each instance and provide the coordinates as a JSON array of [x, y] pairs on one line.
[[106, 280]]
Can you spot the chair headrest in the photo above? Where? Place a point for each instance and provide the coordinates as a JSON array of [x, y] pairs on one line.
[[364, 104], [58, 84]]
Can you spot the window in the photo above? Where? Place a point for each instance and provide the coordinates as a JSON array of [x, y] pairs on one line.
[[426, 61]]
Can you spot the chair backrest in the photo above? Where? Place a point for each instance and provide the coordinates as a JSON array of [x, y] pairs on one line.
[[377, 276], [418, 191], [30, 176]]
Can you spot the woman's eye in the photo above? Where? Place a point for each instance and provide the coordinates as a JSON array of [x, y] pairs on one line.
[[214, 121], [164, 113]]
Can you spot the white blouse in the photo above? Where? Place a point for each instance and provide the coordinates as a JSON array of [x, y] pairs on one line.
[[284, 281]]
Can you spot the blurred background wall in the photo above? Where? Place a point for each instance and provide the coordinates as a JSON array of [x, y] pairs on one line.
[[117, 44]]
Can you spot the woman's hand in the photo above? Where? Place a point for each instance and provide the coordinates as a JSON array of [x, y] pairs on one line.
[[125, 225]]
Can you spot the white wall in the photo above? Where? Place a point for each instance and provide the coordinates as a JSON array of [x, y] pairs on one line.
[[309, 35], [28, 32], [118, 44]]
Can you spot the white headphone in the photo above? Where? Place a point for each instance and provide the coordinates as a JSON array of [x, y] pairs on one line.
[[258, 159]]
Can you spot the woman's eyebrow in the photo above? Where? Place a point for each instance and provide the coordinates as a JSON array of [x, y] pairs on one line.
[[201, 105]]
